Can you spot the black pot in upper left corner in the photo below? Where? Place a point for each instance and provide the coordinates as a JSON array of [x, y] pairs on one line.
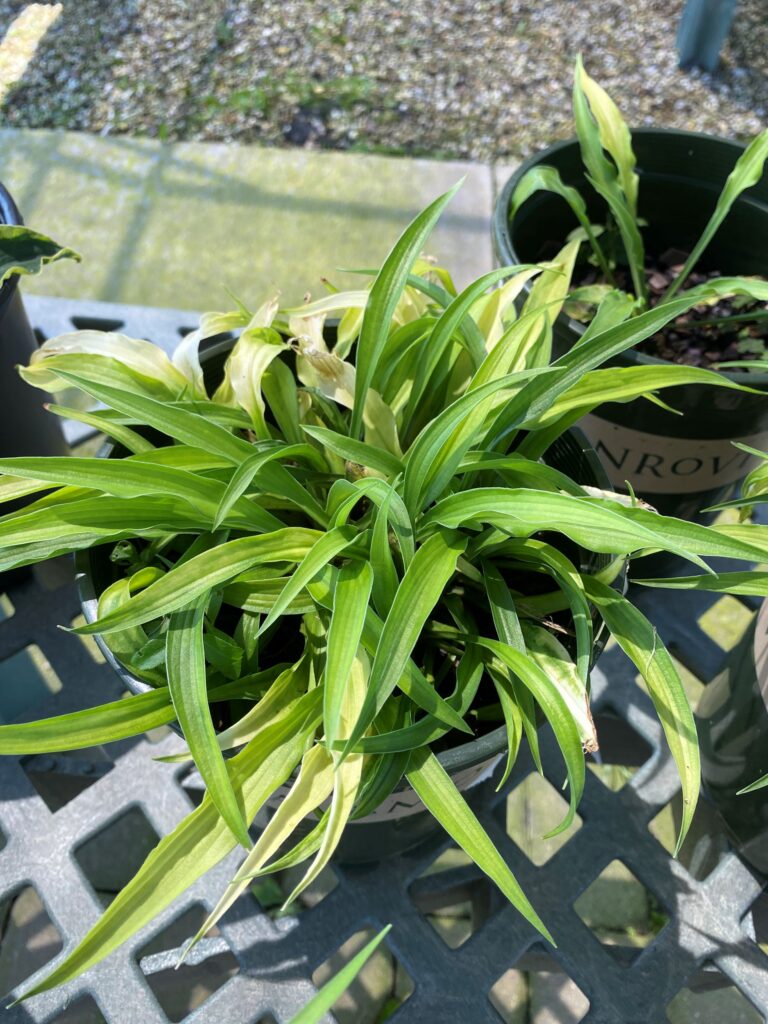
[[25, 427]]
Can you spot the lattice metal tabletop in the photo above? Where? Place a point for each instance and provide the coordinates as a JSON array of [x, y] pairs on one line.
[[73, 828]]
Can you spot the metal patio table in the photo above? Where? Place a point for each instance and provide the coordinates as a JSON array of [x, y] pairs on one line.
[[713, 923]]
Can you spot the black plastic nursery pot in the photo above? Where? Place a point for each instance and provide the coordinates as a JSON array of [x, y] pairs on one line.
[[25, 427], [733, 735], [680, 464], [401, 822]]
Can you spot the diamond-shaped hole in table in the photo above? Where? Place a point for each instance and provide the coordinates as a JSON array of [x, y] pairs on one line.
[[456, 907], [59, 778], [623, 914], [28, 937], [111, 857], [379, 989], [532, 809], [272, 891], [705, 843], [538, 989], [181, 990], [83, 1011], [711, 998], [26, 681], [726, 621], [755, 921], [622, 751]]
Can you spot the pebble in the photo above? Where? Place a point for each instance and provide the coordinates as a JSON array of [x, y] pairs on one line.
[[476, 79]]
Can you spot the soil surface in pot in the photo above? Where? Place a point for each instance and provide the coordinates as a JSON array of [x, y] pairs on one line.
[[698, 337]]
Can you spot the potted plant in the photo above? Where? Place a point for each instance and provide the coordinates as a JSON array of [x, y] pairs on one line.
[[24, 427], [649, 213], [341, 556]]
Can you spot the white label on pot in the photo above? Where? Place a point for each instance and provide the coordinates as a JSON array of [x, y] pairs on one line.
[[761, 650], [655, 464], [404, 801]]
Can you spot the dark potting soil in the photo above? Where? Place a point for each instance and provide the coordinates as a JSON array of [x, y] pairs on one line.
[[698, 337]]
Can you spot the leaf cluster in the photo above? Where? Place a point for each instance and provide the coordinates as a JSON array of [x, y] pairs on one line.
[[347, 552]]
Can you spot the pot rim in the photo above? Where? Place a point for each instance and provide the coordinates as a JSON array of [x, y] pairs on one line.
[[505, 250], [454, 759]]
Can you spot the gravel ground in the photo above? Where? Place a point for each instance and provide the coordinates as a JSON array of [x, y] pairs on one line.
[[482, 79]]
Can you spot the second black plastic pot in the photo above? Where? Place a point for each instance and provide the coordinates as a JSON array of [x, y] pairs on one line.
[[401, 822], [25, 427], [680, 464]]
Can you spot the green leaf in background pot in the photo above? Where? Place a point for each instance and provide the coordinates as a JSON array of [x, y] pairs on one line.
[[747, 172], [547, 179], [615, 136]]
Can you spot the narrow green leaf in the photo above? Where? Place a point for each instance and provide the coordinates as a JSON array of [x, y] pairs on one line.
[[383, 298], [243, 476], [323, 551], [385, 579], [441, 798], [106, 424], [196, 845], [436, 346], [350, 603], [184, 426], [639, 640], [747, 172], [130, 478], [615, 136], [422, 586], [558, 713], [310, 789], [332, 991], [438, 450], [516, 703], [547, 179], [92, 727], [187, 683], [429, 729], [597, 526], [753, 583], [604, 179], [204, 572], [753, 786], [356, 451]]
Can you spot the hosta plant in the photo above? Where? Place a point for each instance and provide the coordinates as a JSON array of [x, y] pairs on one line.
[[617, 252], [352, 543]]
